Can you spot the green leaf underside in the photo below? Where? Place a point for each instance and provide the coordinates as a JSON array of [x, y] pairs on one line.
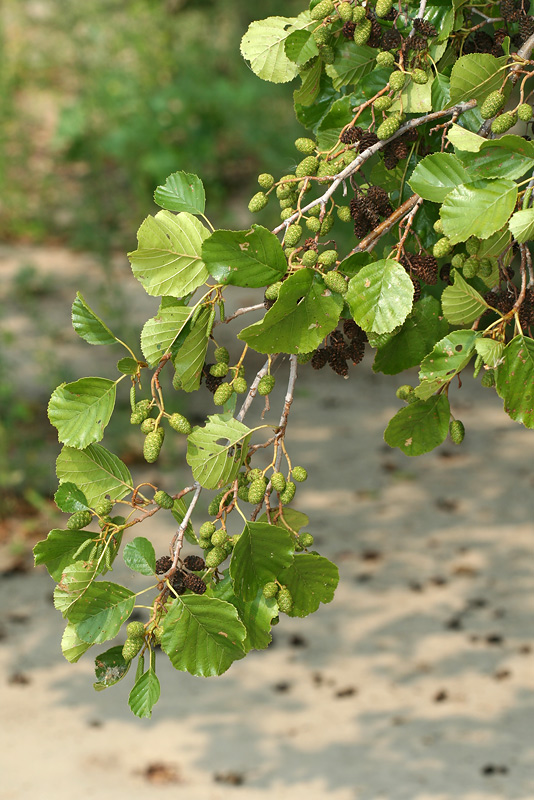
[[461, 303], [304, 313], [435, 176], [420, 426], [101, 611], [475, 76], [311, 84], [380, 296], [160, 332], [415, 340], [478, 209], [312, 580], [139, 555], [72, 646], [522, 225], [96, 471], [60, 548], [515, 380], [74, 582], [88, 325], [508, 157], [81, 410], [300, 47], [182, 191], [128, 366], [110, 668], [252, 258], [490, 350], [263, 46], [292, 518], [189, 359], [202, 635], [167, 261], [69, 498], [465, 140], [260, 554], [256, 615], [145, 694], [448, 357], [351, 64], [210, 461]]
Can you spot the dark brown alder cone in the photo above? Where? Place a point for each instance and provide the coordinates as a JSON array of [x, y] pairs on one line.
[[510, 11], [375, 37], [336, 338], [416, 43], [177, 582], [368, 140], [416, 288], [500, 36], [445, 274], [390, 160], [337, 361], [350, 329], [424, 28], [411, 135], [355, 351], [212, 383], [163, 564], [372, 214], [399, 148], [194, 563], [526, 28], [194, 583], [380, 199], [320, 358], [502, 301], [348, 29], [357, 206], [351, 135], [391, 39], [361, 226]]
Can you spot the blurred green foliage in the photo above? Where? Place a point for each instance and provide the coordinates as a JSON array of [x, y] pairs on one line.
[[103, 100]]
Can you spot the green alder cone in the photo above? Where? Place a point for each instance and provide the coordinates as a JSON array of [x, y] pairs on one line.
[[321, 36], [326, 225], [299, 474], [309, 258], [385, 59], [470, 267], [239, 385], [79, 520], [524, 112], [131, 648], [293, 235], [313, 224], [458, 259], [266, 181], [305, 146], [327, 53], [135, 630], [308, 166], [219, 370], [258, 202], [216, 557], [383, 7], [390, 126], [328, 258], [397, 80], [278, 481], [358, 14], [254, 474], [504, 122], [343, 213], [456, 431], [419, 76], [492, 105], [362, 32], [152, 445], [270, 590], [405, 392], [289, 493], [222, 394], [442, 248], [382, 103], [284, 600], [272, 291], [256, 491], [103, 508], [219, 538], [286, 213], [207, 529], [473, 245], [180, 424], [163, 500], [305, 539], [147, 425], [322, 9], [336, 282], [266, 384], [221, 355], [345, 11], [488, 379]]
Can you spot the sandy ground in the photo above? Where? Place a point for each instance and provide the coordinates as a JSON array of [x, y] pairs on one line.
[[415, 683]]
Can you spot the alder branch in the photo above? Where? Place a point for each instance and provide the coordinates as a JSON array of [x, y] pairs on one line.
[[407, 226], [355, 165], [178, 538], [239, 313], [422, 8], [252, 391], [282, 425]]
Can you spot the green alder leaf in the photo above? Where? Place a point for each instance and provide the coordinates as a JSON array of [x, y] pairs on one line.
[[478, 209], [263, 46], [440, 92], [416, 98], [508, 157], [449, 356], [515, 380], [110, 668], [81, 410], [310, 87], [490, 350], [292, 518], [128, 366], [420, 426], [101, 610], [380, 296], [440, 14], [423, 327], [167, 260], [72, 646], [75, 580], [304, 313], [190, 358], [351, 64], [256, 615], [311, 580], [216, 452], [69, 498], [339, 115], [435, 176], [96, 471], [300, 47], [259, 555], [202, 635], [88, 325], [161, 331], [182, 191], [145, 694], [61, 548], [521, 225], [139, 555], [252, 258], [461, 303], [475, 76], [465, 140]]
